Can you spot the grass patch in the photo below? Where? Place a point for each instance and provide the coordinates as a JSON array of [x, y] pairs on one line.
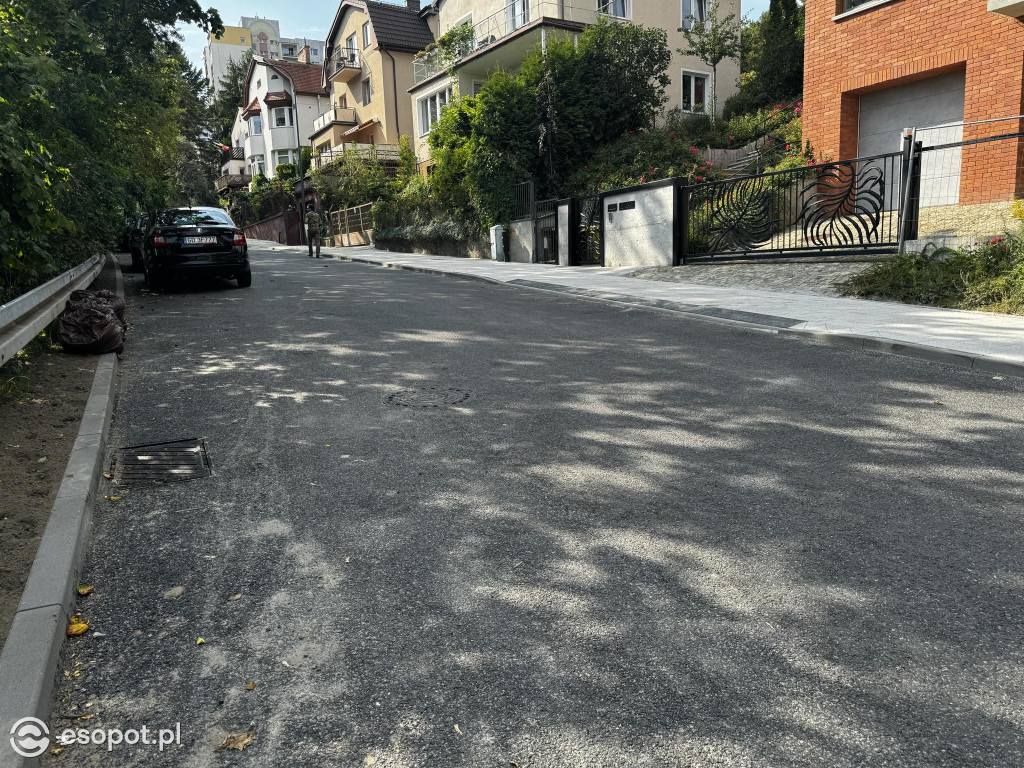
[[989, 276], [14, 381]]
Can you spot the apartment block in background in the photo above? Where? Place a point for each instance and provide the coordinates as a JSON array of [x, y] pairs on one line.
[[263, 38]]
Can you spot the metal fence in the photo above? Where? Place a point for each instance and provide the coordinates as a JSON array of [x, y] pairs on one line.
[[350, 226], [524, 200], [847, 205]]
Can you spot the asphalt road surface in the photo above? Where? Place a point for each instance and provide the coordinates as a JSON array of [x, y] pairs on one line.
[[638, 539]]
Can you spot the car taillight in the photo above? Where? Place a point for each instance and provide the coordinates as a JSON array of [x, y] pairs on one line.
[[239, 237], [158, 240]]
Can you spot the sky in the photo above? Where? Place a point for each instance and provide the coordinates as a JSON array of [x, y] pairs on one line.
[[312, 18]]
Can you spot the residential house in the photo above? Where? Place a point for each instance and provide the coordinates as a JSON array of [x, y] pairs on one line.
[[263, 38], [282, 100], [876, 67], [505, 31], [368, 72]]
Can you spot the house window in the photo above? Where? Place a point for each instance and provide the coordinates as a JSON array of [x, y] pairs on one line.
[[256, 125], [257, 165], [477, 87], [430, 108], [350, 46], [274, 77], [282, 156], [367, 91], [282, 117], [241, 39], [694, 12], [366, 34], [288, 50], [620, 9], [314, 51], [517, 14], [695, 92], [259, 84]]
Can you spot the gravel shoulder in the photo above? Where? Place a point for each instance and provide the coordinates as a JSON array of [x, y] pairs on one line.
[[815, 278], [38, 426]]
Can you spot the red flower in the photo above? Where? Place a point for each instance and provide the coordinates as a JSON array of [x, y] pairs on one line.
[[699, 178], [671, 133], [787, 147]]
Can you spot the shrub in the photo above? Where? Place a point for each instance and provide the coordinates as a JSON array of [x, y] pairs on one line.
[[987, 276], [636, 158]]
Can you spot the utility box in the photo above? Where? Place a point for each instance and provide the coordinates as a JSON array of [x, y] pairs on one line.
[[498, 245]]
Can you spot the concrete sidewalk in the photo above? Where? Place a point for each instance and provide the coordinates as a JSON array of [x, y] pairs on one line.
[[983, 340]]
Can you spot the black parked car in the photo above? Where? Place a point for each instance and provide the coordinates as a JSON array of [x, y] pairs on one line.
[[181, 242], [136, 233]]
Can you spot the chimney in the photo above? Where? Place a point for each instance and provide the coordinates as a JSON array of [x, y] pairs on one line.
[[304, 55], [413, 5]]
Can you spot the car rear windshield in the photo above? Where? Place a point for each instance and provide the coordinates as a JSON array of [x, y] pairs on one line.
[[193, 218]]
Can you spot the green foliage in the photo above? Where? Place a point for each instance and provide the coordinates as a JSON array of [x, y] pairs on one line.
[[987, 276], [305, 160], [351, 180], [100, 114], [712, 40], [637, 158], [286, 172], [545, 122], [269, 197], [771, 58]]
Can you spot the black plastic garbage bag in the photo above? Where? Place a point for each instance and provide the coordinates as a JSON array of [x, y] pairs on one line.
[[90, 323]]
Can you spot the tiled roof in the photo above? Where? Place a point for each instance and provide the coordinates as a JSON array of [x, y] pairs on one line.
[[306, 77], [278, 99], [398, 28], [252, 110]]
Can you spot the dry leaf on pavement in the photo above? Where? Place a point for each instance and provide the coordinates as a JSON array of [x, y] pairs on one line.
[[77, 626], [112, 498], [250, 686], [85, 589], [200, 641], [237, 741], [235, 597]]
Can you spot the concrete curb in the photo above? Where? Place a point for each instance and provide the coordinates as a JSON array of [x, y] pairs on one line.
[[31, 655], [904, 349]]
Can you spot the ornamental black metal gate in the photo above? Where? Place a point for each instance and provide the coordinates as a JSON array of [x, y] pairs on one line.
[[586, 231], [545, 232], [850, 205]]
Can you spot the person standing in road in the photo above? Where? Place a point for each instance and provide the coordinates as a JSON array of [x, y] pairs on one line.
[[314, 225]]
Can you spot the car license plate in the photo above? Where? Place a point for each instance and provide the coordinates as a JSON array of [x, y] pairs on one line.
[[200, 240]]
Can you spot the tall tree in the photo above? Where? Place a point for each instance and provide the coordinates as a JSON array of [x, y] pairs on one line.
[[712, 40], [780, 71]]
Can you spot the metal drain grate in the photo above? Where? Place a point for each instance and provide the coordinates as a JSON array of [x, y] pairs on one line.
[[170, 462], [427, 397]]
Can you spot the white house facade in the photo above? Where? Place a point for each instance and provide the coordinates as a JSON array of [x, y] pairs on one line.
[[283, 99]]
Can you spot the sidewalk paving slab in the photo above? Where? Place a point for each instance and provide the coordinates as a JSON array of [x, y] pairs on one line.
[[986, 340]]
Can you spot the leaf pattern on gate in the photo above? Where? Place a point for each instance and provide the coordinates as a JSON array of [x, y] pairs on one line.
[[843, 205], [741, 216]]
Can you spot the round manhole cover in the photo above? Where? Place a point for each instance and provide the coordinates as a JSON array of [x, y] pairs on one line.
[[427, 397]]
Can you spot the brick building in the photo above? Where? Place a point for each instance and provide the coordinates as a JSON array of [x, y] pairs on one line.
[[875, 67]]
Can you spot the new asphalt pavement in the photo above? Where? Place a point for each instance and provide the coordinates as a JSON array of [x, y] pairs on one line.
[[623, 537]]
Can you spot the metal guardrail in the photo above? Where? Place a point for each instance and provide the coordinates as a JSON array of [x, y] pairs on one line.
[[23, 318]]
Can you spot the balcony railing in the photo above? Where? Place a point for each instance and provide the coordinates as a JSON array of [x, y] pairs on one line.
[[229, 180], [503, 23], [385, 153], [343, 64], [345, 115]]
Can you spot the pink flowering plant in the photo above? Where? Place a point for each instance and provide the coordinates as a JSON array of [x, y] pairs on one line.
[[640, 157]]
